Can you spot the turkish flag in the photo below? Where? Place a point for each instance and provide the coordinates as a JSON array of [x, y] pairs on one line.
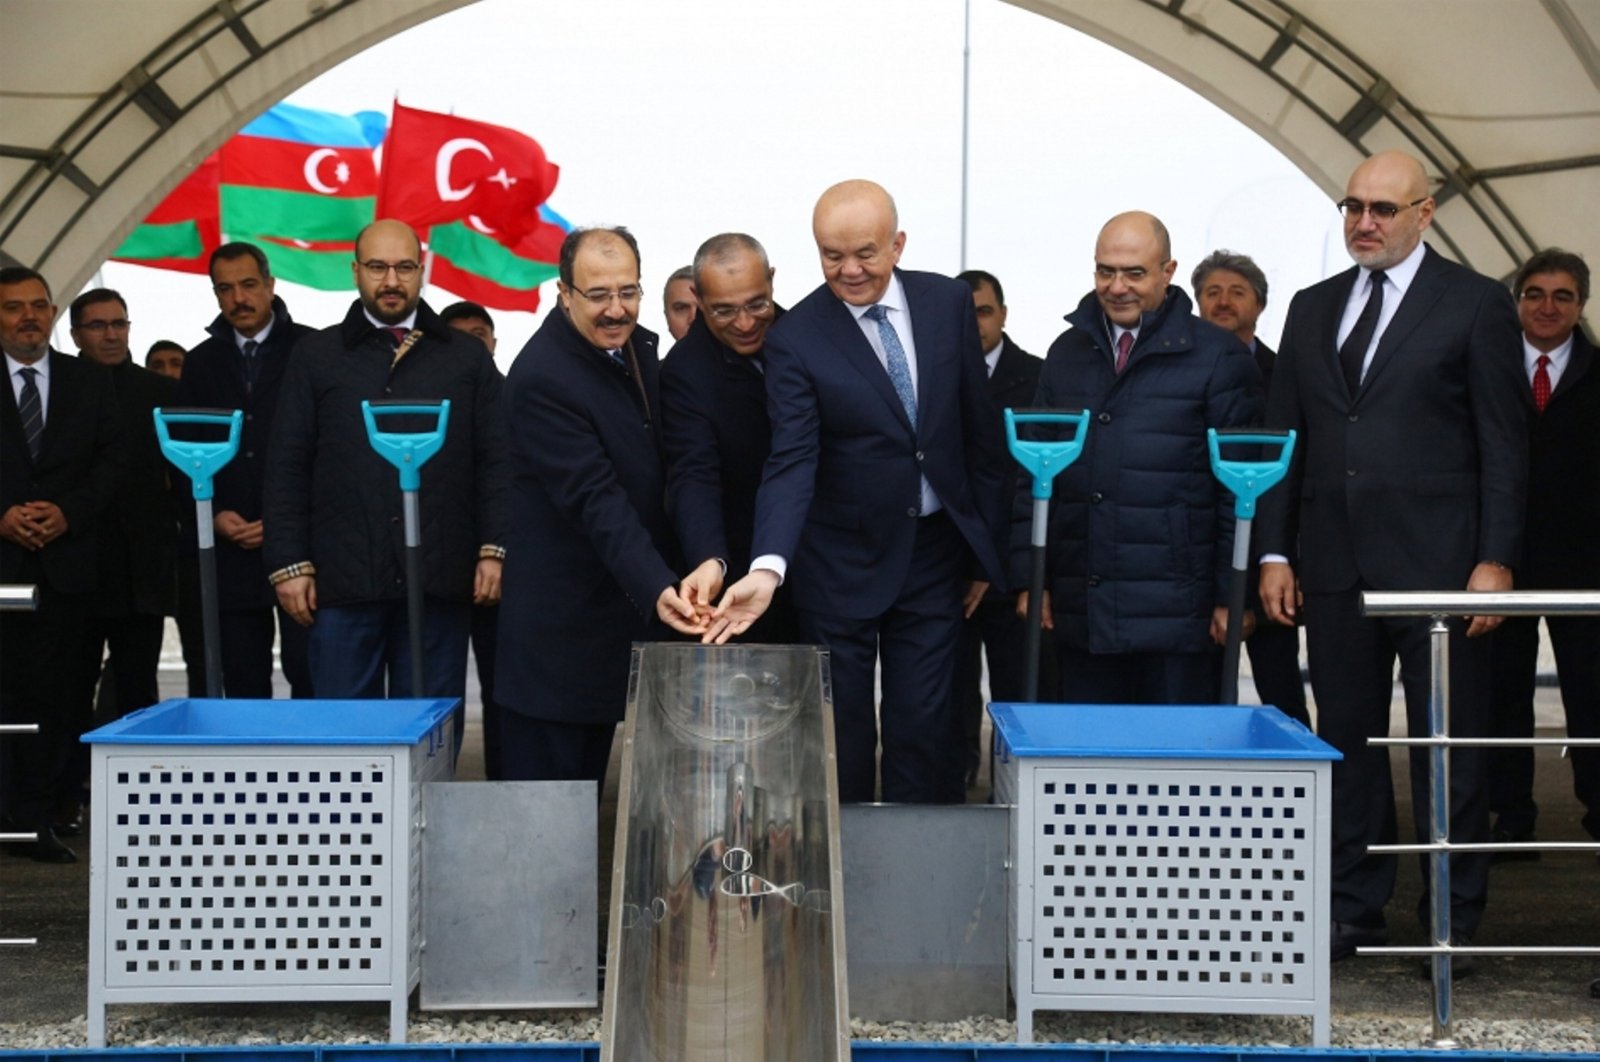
[[439, 168]]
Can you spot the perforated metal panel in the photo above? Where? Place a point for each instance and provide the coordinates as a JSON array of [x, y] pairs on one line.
[[1173, 882]]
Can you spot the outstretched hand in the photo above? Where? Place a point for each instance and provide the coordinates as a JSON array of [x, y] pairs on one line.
[[744, 603], [701, 587], [678, 614]]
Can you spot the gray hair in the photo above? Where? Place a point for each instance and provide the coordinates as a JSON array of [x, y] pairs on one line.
[[1233, 262]]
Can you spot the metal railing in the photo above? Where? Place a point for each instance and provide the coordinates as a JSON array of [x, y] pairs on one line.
[[1438, 607], [18, 598]]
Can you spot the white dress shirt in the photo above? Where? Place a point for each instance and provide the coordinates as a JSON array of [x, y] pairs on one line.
[[260, 338], [1558, 360], [991, 360], [41, 381], [1397, 279]]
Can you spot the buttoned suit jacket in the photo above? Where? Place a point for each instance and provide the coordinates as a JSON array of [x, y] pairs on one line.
[[1422, 473], [1564, 478], [840, 492]]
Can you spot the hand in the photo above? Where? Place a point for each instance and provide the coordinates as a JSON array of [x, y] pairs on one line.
[[486, 581], [1219, 625], [246, 534], [298, 597], [1280, 593], [973, 597], [47, 519], [678, 614], [16, 526], [743, 604], [1047, 619], [701, 587], [1489, 577]]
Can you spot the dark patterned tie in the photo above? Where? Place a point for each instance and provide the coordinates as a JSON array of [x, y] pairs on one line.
[[252, 364], [32, 411], [895, 355], [1353, 352], [1124, 348], [1541, 383]]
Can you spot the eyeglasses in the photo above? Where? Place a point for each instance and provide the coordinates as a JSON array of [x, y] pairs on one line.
[[377, 270], [1353, 208], [1132, 274], [119, 325], [725, 314], [1562, 296], [601, 296]]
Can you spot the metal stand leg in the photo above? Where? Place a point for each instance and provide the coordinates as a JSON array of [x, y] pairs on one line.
[[1439, 828]]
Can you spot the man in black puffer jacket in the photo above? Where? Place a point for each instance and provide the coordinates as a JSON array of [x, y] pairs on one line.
[[1141, 533], [335, 538]]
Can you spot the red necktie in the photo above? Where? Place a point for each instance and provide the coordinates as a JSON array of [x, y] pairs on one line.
[[398, 333], [1541, 383], [1124, 345]]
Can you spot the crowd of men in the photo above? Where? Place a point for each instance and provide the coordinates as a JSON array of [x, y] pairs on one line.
[[833, 473]]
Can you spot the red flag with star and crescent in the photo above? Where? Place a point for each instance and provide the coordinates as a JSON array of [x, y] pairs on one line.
[[438, 168]]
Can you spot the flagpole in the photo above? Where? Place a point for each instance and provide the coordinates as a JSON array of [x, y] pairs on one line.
[[966, 94]]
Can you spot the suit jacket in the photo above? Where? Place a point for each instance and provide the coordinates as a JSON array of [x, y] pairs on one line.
[[1266, 358], [839, 496], [1420, 475], [716, 433], [78, 467], [138, 542], [1564, 479], [1012, 385], [591, 546], [213, 377]]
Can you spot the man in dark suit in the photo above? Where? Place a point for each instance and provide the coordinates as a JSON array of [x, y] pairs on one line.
[[59, 467], [994, 628], [1562, 400], [591, 563], [1230, 291], [714, 424], [883, 494], [1403, 378], [241, 366]]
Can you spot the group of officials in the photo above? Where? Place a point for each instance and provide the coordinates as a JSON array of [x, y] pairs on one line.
[[835, 474]]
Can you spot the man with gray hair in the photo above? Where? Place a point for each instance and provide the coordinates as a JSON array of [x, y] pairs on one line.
[[1230, 291], [677, 301], [714, 424]]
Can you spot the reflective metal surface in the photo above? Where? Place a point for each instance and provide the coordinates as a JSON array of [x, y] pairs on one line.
[[1480, 603], [727, 930]]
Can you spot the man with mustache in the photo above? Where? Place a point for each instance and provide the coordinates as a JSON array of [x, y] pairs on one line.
[[241, 366], [1141, 533], [592, 564], [59, 466], [335, 537]]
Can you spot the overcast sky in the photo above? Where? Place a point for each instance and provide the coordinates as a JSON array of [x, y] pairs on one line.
[[682, 121]]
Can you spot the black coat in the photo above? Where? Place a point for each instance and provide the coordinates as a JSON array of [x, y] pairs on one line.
[[332, 500], [77, 469], [138, 541], [1013, 385], [717, 435], [591, 546], [1564, 479], [213, 376], [1141, 535]]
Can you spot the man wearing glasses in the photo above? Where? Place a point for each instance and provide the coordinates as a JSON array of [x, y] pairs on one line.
[[592, 564], [335, 538], [1403, 377], [714, 421]]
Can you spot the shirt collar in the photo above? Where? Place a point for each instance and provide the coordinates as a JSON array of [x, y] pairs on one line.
[[240, 339], [1531, 355], [408, 324], [1401, 274], [894, 299], [992, 358], [42, 365]]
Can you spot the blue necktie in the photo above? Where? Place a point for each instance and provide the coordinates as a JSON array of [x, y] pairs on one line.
[[895, 355], [32, 412]]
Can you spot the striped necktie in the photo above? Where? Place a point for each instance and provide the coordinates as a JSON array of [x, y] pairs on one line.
[[32, 411], [895, 357]]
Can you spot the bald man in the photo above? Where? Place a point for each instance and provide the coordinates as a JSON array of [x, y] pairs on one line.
[[1141, 536], [1404, 379], [881, 505], [334, 534]]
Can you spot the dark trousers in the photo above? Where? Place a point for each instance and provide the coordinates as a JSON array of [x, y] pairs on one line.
[[544, 750], [996, 631], [363, 651], [1352, 677], [130, 645], [246, 641], [42, 671], [485, 631], [916, 641], [1514, 652], [1135, 678], [191, 624], [1275, 664]]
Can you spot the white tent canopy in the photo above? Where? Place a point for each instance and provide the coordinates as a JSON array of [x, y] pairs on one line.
[[106, 104]]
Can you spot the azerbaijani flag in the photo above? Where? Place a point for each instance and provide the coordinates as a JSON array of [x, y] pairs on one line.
[[184, 228], [467, 259]]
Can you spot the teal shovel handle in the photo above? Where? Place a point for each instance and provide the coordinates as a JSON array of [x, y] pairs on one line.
[[1249, 480], [200, 461], [407, 451], [1041, 459]]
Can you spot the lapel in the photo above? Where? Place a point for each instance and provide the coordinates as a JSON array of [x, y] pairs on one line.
[[1426, 288], [1327, 325], [1579, 364], [60, 406], [12, 422], [839, 325]]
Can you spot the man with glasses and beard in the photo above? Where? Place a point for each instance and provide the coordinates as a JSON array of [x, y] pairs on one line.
[[1403, 377], [591, 564], [335, 538]]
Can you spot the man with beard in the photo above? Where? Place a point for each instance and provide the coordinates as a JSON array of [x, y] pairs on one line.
[[335, 538], [591, 564], [1403, 377], [241, 366], [714, 422], [59, 467]]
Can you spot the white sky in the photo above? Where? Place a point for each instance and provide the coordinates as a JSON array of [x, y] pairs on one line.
[[682, 121]]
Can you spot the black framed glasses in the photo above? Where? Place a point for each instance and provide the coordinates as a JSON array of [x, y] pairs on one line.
[[119, 325], [1352, 208], [377, 270]]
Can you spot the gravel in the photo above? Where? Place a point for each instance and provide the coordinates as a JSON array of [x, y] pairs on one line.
[[277, 1024]]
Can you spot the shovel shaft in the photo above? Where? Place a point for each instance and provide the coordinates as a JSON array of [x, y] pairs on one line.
[[414, 588], [1236, 596], [210, 613], [1041, 523]]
